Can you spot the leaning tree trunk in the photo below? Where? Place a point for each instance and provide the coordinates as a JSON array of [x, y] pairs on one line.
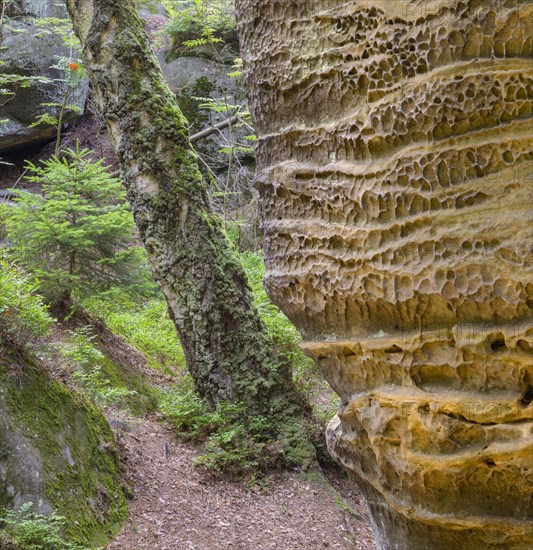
[[395, 180], [226, 347]]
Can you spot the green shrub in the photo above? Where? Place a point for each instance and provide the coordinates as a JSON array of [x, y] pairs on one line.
[[89, 373], [77, 237], [187, 411], [191, 19], [23, 316], [144, 324], [190, 102], [27, 530], [237, 443], [284, 334], [99, 389], [4, 214]]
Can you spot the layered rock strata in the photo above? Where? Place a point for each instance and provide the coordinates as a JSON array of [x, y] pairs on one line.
[[396, 177]]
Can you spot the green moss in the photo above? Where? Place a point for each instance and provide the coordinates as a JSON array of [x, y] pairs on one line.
[[83, 477], [145, 325], [107, 360], [145, 397]]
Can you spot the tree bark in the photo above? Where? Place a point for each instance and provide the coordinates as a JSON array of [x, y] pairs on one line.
[[226, 346], [394, 173]]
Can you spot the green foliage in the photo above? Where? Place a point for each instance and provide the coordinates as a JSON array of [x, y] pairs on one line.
[[190, 103], [10, 83], [54, 26], [237, 68], [229, 171], [4, 214], [77, 237], [238, 444], [51, 119], [187, 411], [99, 389], [283, 333], [81, 349], [27, 530], [207, 37], [89, 373], [145, 324], [200, 20], [23, 317]]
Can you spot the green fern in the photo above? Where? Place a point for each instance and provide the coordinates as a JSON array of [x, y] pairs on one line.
[[28, 530]]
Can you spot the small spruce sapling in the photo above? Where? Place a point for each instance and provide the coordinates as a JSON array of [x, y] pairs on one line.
[[77, 237]]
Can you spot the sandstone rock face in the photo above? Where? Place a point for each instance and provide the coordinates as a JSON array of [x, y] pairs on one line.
[[57, 452], [395, 173], [27, 51]]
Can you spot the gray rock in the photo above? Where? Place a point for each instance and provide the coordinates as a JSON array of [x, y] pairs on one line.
[[22, 473], [152, 7], [38, 8], [56, 451], [183, 72], [27, 51]]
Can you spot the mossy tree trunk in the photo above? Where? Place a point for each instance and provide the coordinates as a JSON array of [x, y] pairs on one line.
[[227, 349]]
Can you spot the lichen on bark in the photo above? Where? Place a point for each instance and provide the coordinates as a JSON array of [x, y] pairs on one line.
[[227, 348]]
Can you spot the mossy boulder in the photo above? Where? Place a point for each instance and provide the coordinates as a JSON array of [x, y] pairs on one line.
[[58, 451], [29, 51], [123, 365]]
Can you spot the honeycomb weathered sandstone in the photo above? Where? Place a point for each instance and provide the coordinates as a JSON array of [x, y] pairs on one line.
[[396, 179]]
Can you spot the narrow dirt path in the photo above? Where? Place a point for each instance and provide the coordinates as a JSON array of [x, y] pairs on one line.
[[176, 507]]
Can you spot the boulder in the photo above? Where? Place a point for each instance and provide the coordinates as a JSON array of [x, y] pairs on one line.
[[27, 51], [193, 77], [149, 8], [57, 451], [183, 72]]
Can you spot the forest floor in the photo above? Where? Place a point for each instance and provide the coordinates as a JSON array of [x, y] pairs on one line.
[[175, 506]]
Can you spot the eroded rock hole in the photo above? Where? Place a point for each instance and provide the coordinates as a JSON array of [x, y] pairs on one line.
[[527, 397], [498, 344], [394, 349]]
